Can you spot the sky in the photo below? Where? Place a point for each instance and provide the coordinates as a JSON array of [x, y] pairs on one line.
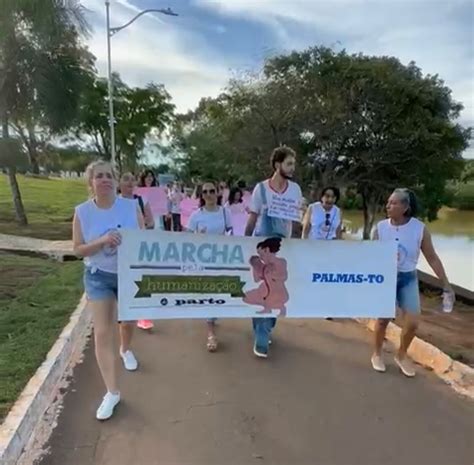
[[196, 53]]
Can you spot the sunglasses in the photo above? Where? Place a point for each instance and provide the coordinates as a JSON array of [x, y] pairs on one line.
[[210, 191], [328, 216]]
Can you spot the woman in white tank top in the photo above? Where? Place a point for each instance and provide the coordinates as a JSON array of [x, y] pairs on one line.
[[412, 237], [96, 237], [323, 220]]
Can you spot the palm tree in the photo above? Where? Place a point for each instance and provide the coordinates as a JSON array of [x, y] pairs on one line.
[[42, 68]]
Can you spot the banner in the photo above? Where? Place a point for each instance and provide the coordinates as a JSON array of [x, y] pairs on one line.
[[170, 275]]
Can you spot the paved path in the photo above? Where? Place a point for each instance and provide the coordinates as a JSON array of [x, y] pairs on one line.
[[59, 250], [316, 401]]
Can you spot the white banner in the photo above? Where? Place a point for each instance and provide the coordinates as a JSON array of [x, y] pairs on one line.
[[180, 275]]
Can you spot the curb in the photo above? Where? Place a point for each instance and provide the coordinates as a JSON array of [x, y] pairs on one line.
[[19, 425], [458, 375]]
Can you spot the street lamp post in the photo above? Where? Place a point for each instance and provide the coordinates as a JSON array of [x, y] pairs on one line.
[[110, 32]]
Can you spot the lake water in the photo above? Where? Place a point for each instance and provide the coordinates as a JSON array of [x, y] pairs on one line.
[[453, 238]]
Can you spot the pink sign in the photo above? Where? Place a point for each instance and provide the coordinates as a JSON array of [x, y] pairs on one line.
[[156, 197], [188, 206], [239, 218]]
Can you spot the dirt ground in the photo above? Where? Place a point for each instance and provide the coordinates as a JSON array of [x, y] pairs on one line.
[[452, 332]]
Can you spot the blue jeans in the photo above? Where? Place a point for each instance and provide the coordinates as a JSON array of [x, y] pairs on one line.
[[100, 285], [408, 292], [262, 328]]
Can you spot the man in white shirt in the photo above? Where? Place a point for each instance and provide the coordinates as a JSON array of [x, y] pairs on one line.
[[275, 204]]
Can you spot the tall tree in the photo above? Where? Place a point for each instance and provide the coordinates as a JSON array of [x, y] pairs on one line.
[[367, 122], [140, 113], [39, 51]]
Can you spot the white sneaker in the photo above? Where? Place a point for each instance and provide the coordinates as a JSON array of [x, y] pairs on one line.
[[378, 363], [106, 408], [405, 366], [129, 361]]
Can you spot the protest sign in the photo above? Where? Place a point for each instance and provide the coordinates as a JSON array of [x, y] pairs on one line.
[[156, 197], [188, 206], [167, 275], [286, 206]]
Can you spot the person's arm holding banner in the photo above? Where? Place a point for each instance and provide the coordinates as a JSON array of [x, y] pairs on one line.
[[82, 249], [306, 223], [255, 208], [339, 227], [148, 217]]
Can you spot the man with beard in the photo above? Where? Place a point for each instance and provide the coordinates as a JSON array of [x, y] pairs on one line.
[[275, 205]]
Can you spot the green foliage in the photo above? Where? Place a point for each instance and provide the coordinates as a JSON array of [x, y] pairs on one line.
[[45, 68], [370, 123], [12, 154], [140, 113], [463, 196], [71, 158]]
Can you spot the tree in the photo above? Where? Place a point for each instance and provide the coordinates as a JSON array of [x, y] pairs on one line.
[[370, 123], [140, 113], [35, 40]]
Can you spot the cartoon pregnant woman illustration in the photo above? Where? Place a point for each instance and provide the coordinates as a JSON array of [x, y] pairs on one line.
[[272, 272]]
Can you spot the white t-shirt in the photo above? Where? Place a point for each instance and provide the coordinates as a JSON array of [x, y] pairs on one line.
[[259, 205], [210, 222], [408, 237], [324, 223], [95, 222]]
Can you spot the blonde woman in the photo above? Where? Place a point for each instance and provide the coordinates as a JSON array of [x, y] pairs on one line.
[[96, 237]]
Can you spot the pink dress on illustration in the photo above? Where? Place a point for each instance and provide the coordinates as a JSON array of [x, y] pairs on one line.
[[271, 272]]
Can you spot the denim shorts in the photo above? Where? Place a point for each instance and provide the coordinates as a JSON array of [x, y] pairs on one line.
[[100, 285], [408, 292]]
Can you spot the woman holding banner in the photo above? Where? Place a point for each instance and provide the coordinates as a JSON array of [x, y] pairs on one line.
[[96, 237], [412, 236], [148, 179], [210, 218], [127, 187]]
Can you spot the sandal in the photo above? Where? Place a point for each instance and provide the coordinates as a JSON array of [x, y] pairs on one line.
[[211, 343]]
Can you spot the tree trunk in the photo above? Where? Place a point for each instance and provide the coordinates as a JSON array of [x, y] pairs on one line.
[[16, 194], [32, 150], [369, 205]]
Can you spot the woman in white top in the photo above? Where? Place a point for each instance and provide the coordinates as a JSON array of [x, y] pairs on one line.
[[128, 183], [127, 186], [210, 218], [96, 237], [323, 220], [412, 237]]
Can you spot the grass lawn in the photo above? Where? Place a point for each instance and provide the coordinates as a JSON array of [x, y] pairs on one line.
[[37, 297], [49, 205]]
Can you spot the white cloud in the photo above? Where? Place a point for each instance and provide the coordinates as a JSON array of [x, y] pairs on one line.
[[436, 34], [157, 48]]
